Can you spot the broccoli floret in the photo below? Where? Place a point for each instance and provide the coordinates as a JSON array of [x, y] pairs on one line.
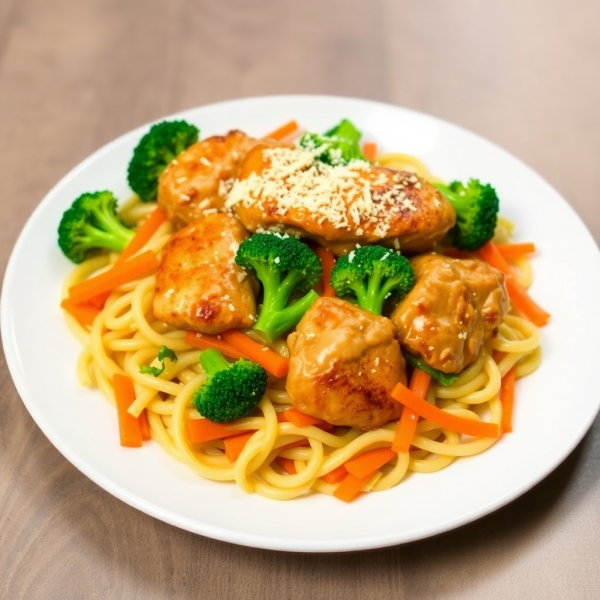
[[91, 223], [338, 146], [476, 206], [154, 152], [232, 390], [445, 379], [372, 274], [286, 267]]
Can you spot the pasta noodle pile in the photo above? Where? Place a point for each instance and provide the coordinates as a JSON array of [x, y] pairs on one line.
[[126, 336]]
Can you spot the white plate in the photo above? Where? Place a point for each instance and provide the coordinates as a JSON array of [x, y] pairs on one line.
[[555, 406]]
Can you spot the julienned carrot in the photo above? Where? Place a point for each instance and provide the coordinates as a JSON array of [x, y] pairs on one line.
[[135, 267], [143, 235], [419, 383], [287, 464], [129, 426], [263, 355], [328, 261], [518, 294], [350, 487], [441, 417], [235, 444], [84, 313], [336, 475], [524, 303], [516, 251], [297, 444], [203, 430], [206, 340], [369, 462], [144, 425], [300, 419], [369, 149], [147, 229], [507, 398], [284, 131]]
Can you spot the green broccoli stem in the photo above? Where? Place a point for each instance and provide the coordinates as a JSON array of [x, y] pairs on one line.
[[460, 202], [273, 323], [213, 361], [110, 223], [113, 240], [373, 296]]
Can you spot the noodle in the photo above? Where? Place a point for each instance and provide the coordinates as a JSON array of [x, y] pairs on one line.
[[125, 336]]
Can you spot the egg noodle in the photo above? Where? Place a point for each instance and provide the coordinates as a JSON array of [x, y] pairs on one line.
[[125, 336]]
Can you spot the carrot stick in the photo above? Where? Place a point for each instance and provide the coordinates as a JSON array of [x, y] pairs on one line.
[[203, 430], [206, 340], [524, 303], [287, 464], [282, 132], [300, 419], [328, 261], [516, 251], [296, 444], [507, 398], [350, 487], [263, 355], [369, 149], [129, 427], [143, 235], [144, 425], [518, 294], [84, 313], [235, 444], [442, 418], [369, 462], [336, 475], [147, 229], [419, 382], [135, 267], [498, 355]]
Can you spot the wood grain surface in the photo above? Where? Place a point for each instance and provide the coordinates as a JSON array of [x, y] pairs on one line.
[[74, 74]]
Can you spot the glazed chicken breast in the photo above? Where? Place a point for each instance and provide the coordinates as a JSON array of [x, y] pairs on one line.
[[199, 179], [286, 189], [344, 363], [198, 284], [451, 311]]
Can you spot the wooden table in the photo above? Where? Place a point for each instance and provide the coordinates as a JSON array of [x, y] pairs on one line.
[[75, 74]]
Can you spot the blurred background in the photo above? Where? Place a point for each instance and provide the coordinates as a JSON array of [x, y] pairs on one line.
[[76, 74]]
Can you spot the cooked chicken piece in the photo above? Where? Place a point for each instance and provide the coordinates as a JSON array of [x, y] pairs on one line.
[[451, 311], [344, 363], [198, 284], [286, 189], [200, 177]]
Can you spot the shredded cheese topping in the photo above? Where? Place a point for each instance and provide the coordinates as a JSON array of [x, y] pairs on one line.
[[349, 197]]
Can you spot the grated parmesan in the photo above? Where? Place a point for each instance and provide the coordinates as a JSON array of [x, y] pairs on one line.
[[346, 197]]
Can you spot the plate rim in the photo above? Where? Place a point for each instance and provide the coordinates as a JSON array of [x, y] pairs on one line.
[[217, 532]]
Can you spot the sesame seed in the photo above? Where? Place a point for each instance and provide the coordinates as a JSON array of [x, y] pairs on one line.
[[181, 179], [205, 161], [231, 307]]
